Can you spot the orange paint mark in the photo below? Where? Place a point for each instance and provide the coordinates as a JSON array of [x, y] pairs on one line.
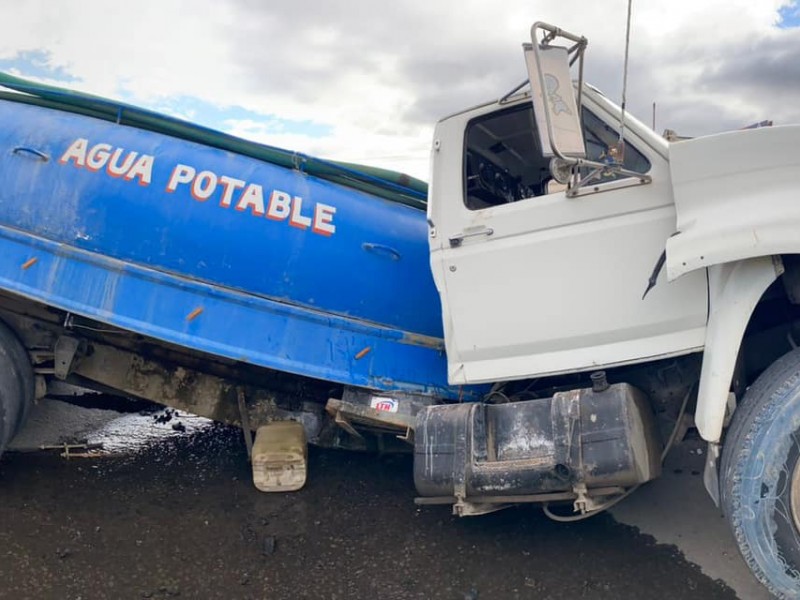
[[194, 314], [29, 263], [363, 353]]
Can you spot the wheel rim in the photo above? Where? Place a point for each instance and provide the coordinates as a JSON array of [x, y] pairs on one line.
[[795, 495]]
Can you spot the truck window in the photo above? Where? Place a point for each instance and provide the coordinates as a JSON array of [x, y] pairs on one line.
[[503, 163]]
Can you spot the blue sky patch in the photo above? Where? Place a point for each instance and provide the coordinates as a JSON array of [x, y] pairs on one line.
[[205, 113], [789, 15], [36, 63]]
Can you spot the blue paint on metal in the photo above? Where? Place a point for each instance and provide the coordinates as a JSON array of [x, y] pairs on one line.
[[137, 256], [174, 232], [232, 324]]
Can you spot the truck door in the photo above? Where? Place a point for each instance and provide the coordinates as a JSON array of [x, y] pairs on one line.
[[534, 282]]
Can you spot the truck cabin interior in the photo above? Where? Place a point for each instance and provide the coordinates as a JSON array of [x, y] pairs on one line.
[[503, 161]]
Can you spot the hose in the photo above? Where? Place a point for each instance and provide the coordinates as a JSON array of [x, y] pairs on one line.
[[591, 513]]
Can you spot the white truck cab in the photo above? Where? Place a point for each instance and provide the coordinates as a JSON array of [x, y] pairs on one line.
[[537, 283], [569, 239]]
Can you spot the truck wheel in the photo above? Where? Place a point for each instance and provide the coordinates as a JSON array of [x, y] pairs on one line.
[[760, 477], [16, 385]]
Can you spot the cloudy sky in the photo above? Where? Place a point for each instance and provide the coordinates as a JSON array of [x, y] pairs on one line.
[[365, 80]]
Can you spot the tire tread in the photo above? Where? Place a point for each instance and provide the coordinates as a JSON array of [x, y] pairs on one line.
[[758, 408]]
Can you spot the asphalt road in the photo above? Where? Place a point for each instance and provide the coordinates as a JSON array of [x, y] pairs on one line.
[[181, 518]]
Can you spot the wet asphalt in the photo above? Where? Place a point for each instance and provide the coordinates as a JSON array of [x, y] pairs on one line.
[[182, 519]]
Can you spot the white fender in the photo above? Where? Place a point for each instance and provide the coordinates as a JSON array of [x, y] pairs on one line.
[[734, 290], [735, 197]]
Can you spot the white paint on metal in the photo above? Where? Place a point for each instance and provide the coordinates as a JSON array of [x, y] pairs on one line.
[[736, 197], [735, 289], [558, 286]]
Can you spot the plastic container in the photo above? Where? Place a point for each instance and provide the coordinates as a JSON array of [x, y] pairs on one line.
[[280, 457]]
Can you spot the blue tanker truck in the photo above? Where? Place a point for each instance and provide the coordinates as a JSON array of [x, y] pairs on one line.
[[492, 322]]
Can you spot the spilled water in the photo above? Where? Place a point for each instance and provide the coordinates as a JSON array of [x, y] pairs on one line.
[[100, 431]]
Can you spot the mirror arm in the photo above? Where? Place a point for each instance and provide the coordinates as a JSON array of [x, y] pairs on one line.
[[613, 167], [598, 168], [554, 32]]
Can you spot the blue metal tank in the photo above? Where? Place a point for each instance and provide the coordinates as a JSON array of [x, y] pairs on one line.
[[228, 247]]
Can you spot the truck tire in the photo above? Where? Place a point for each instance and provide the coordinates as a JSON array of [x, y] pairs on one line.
[[16, 385], [760, 477]]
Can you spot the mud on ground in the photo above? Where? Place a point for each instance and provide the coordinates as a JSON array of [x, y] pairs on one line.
[[182, 519]]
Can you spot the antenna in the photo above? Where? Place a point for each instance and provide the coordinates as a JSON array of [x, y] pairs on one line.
[[621, 142]]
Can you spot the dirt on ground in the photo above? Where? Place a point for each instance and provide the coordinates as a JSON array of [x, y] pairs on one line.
[[182, 519]]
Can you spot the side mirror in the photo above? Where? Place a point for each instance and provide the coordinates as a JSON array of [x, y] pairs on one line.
[[557, 113]]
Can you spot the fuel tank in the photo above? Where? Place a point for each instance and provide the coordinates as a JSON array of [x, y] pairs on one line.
[[580, 437]]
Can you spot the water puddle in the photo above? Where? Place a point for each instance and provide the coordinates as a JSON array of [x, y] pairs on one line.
[[54, 423]]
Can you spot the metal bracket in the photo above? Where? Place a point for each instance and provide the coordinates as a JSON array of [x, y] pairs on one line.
[[245, 419], [711, 472], [65, 351], [476, 509], [343, 422], [462, 458], [584, 186], [584, 503]]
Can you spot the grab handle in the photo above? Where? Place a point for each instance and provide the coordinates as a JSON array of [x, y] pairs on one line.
[[455, 241], [381, 250], [27, 150]]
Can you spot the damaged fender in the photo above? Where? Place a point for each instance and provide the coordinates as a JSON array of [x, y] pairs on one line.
[[735, 289], [737, 211], [736, 197]]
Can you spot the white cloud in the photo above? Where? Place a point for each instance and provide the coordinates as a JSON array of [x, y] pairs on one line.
[[379, 74], [349, 144]]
